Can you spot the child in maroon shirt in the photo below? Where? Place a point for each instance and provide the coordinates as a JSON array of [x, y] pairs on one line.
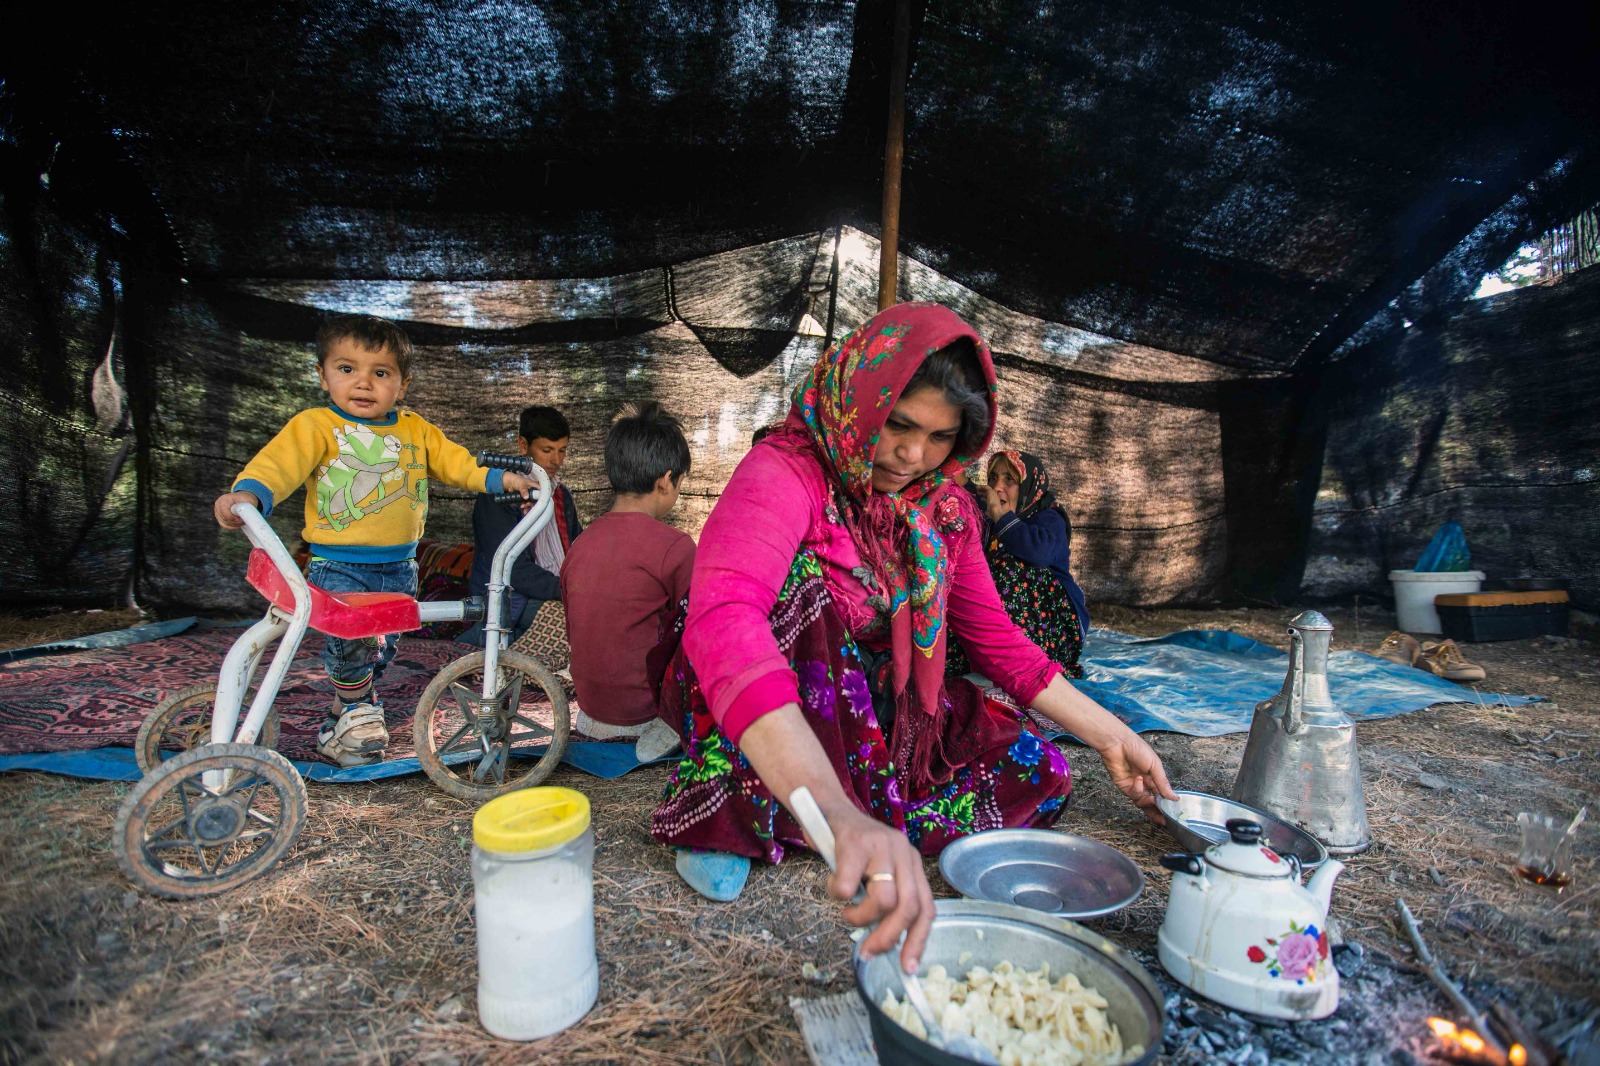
[[625, 584]]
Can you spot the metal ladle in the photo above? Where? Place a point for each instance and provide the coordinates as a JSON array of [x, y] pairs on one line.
[[805, 808]]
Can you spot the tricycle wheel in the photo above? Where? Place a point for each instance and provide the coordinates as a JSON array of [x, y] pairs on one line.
[[476, 749], [182, 722], [179, 837]]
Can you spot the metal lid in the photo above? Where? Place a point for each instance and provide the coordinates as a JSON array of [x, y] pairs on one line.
[[1311, 620], [1244, 853]]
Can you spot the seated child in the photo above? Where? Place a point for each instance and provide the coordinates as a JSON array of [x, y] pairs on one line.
[[542, 435], [365, 467], [626, 584], [1029, 548]]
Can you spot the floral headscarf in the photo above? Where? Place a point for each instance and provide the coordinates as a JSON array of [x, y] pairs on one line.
[[1033, 482], [841, 406]]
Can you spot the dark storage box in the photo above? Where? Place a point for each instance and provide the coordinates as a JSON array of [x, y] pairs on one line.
[[1480, 616]]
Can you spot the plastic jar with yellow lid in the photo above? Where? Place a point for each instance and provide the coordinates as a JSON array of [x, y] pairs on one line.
[[533, 887]]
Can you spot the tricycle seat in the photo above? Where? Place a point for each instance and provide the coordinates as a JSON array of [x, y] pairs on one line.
[[348, 615]]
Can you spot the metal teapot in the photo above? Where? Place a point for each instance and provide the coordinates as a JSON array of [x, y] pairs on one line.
[[1241, 929], [1300, 762]]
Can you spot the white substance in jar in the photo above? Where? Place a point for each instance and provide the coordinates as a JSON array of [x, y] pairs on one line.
[[536, 962]]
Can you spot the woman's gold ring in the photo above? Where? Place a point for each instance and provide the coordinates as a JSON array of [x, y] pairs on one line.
[[880, 877]]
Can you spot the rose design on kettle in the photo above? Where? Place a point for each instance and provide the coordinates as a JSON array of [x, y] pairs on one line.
[[1298, 953]]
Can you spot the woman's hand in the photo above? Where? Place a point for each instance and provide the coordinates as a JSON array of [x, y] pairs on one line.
[[864, 851], [1136, 769], [514, 482], [1132, 765], [785, 752], [996, 504]]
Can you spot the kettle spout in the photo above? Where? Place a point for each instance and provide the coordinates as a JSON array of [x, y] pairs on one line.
[[1321, 884]]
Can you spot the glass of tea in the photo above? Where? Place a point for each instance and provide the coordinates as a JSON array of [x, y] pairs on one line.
[[1546, 856]]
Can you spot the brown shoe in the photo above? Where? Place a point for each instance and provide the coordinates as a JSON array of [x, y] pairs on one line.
[[1400, 648], [1446, 660]]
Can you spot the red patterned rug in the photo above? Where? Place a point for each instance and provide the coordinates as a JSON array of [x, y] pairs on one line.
[[96, 699]]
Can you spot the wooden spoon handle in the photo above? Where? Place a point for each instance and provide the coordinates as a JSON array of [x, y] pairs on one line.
[[804, 806]]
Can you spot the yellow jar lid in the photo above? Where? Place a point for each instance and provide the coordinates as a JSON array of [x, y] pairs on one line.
[[531, 819]]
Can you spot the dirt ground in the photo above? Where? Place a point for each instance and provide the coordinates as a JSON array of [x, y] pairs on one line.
[[359, 947]]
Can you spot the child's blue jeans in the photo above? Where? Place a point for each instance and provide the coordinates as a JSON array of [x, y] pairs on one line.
[[350, 662]]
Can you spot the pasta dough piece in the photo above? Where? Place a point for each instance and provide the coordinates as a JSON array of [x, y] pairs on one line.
[[1022, 1016]]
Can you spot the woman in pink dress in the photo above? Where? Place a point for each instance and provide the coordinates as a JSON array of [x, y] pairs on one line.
[[827, 582]]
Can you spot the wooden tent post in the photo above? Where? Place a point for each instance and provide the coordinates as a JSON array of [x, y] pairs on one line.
[[833, 286], [893, 156]]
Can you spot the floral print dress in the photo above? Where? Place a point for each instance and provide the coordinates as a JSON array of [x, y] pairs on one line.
[[715, 801], [1037, 602]]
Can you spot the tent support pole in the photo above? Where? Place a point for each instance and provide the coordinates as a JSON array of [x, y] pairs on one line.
[[833, 286], [893, 156]]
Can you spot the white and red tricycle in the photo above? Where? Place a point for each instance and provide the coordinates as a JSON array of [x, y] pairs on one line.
[[218, 806]]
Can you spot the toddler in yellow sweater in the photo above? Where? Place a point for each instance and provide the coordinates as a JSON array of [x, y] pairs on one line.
[[365, 467]]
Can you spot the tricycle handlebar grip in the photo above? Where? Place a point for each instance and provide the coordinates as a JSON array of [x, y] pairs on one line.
[[517, 464]]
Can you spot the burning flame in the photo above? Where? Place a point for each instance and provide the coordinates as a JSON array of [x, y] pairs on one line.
[[1473, 1044], [1465, 1039]]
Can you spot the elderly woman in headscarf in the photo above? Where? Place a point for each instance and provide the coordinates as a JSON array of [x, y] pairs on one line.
[[1029, 547], [827, 583]]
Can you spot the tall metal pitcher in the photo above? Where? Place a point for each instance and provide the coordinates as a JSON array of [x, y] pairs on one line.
[[1300, 762]]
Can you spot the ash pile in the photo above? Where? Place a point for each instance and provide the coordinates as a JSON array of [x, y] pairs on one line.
[[1382, 1020]]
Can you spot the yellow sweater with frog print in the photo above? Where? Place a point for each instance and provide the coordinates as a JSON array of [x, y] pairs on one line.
[[366, 479]]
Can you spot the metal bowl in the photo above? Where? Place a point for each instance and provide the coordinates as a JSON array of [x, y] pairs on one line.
[[1057, 873], [994, 933], [1199, 820]]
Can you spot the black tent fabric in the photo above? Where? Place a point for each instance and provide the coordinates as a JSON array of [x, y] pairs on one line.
[[1222, 252], [1489, 421]]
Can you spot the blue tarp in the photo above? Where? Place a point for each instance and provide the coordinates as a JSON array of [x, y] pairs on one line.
[[117, 764], [1201, 682], [1207, 682], [120, 638], [114, 639]]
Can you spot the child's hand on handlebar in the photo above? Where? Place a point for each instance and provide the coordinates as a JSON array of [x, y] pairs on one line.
[[517, 483], [223, 508]]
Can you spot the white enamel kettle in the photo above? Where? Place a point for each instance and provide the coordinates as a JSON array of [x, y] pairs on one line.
[[1242, 930]]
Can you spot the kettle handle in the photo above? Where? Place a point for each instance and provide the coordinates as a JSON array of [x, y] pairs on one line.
[[1183, 862]]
